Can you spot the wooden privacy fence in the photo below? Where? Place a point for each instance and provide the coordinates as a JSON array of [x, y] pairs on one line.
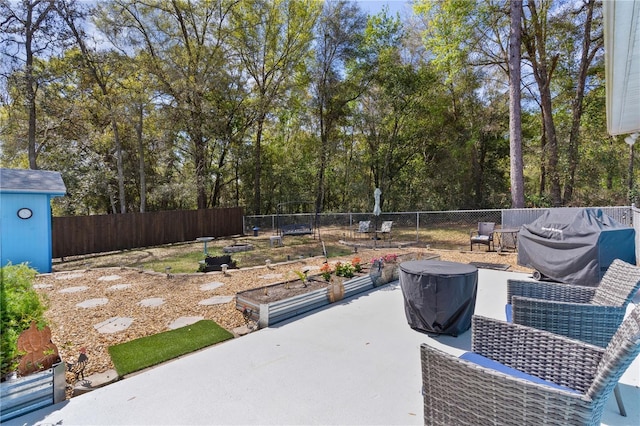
[[76, 235]]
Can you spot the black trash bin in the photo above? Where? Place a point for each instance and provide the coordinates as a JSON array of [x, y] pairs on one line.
[[255, 231]]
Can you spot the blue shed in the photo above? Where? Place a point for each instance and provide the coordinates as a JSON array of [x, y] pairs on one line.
[[25, 216]]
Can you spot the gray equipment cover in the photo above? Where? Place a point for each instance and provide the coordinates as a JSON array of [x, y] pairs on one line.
[[575, 246], [439, 296]]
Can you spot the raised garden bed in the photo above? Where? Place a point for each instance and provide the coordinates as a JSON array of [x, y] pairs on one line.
[[274, 303]]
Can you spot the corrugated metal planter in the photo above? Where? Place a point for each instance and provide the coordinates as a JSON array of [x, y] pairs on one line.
[[274, 312], [29, 393]]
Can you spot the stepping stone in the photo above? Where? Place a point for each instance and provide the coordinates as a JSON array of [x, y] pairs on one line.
[[184, 321], [211, 286], [152, 302], [42, 286], [113, 325], [92, 303], [119, 287], [69, 276], [109, 278], [271, 276], [74, 289], [217, 300]]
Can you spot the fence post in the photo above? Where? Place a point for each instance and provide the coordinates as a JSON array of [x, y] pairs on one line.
[[417, 226]]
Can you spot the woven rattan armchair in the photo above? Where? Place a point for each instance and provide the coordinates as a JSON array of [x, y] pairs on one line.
[[577, 378], [590, 314]]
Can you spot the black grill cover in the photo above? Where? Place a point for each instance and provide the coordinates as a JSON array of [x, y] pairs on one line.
[[439, 296], [575, 246]]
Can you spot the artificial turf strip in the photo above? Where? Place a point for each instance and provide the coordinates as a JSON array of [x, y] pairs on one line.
[[152, 350]]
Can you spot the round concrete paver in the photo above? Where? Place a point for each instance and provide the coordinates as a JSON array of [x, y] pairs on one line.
[[119, 287], [69, 276], [42, 286], [113, 325], [109, 278], [217, 300], [151, 302], [271, 276], [211, 286], [92, 303], [184, 321], [74, 289]]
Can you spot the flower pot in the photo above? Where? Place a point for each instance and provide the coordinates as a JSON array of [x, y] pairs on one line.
[[335, 291], [383, 272]]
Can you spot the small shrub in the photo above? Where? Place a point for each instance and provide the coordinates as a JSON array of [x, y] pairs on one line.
[[325, 271], [346, 270], [21, 305]]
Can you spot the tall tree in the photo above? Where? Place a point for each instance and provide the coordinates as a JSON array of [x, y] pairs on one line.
[[101, 72], [339, 35], [272, 38], [515, 113], [183, 45], [591, 43], [28, 28]]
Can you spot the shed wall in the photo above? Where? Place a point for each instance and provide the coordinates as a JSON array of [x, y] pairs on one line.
[[25, 240]]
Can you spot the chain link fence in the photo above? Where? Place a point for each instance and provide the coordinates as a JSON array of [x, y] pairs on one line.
[[441, 229]]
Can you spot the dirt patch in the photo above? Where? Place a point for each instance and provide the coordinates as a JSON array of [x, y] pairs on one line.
[[73, 322]]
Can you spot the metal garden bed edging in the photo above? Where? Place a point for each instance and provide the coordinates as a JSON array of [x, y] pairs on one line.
[[29, 393], [271, 313]]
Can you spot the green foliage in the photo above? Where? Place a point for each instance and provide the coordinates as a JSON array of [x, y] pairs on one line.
[[19, 306], [152, 350], [346, 270]]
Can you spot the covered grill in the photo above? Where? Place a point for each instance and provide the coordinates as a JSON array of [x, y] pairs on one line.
[[574, 246]]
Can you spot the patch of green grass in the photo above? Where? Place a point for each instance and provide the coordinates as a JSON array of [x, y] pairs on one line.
[[155, 349], [182, 263]]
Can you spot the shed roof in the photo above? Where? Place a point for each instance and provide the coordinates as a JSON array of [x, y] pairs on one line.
[[32, 181]]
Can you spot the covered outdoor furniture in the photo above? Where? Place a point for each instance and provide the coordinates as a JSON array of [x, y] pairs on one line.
[[520, 375], [439, 297], [574, 246], [483, 235], [363, 227]]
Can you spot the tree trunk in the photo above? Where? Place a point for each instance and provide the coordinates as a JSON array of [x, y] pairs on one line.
[[515, 113], [257, 178], [143, 178], [574, 135]]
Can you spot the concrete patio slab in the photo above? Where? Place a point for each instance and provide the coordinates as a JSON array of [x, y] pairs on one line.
[[355, 362]]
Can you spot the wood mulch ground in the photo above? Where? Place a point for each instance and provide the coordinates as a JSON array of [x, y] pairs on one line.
[[72, 325]]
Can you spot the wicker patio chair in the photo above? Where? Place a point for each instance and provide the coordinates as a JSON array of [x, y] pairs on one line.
[[520, 375], [590, 314]]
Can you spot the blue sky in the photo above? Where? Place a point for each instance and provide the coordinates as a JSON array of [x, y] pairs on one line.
[[375, 6]]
